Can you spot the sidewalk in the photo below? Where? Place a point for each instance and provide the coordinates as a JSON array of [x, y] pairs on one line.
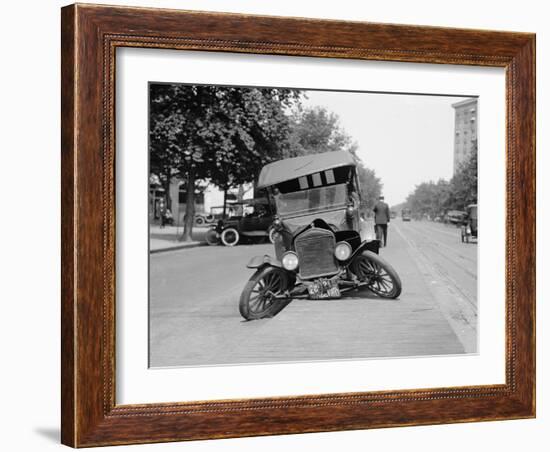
[[168, 238]]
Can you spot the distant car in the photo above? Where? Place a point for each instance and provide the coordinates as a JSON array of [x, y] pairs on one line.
[[393, 214], [216, 214], [406, 215], [254, 224]]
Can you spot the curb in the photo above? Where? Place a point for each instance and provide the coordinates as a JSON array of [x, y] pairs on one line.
[[178, 247]]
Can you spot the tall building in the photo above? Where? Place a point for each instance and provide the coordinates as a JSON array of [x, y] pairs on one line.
[[465, 131]]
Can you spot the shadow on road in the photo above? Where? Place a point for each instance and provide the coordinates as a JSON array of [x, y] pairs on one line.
[[360, 295]]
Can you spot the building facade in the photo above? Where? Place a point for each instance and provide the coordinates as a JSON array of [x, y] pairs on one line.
[[207, 197], [466, 119]]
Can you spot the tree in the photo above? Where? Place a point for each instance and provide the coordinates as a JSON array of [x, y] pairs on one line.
[[162, 152], [316, 130], [429, 198], [370, 186], [464, 183], [225, 134], [435, 198]]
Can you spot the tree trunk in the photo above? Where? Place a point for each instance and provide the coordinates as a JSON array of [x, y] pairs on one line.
[[189, 207], [224, 201], [166, 187]]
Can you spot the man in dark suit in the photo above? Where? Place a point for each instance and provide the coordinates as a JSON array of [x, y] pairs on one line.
[[381, 220]]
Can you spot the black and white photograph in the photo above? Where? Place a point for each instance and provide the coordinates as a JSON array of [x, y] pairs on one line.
[[292, 225]]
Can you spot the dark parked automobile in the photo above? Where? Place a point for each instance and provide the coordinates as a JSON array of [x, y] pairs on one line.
[[455, 217], [216, 214], [254, 224], [469, 227], [319, 252]]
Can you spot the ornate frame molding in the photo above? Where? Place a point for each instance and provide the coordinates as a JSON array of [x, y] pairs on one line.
[[90, 36]]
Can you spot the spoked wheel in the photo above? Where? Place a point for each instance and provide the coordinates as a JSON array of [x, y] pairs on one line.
[[380, 276], [258, 299], [230, 237]]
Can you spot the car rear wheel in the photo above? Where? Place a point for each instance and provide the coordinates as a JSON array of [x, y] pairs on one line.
[[230, 237], [199, 221], [260, 297], [379, 276]]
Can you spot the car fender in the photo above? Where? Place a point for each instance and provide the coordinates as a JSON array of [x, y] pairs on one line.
[[262, 261], [370, 245]]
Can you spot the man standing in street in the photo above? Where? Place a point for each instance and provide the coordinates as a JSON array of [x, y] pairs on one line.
[[381, 220]]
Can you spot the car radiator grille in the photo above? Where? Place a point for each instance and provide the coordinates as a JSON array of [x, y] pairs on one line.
[[315, 250]]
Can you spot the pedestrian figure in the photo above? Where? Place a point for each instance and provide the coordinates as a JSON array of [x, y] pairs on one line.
[[381, 220], [167, 218]]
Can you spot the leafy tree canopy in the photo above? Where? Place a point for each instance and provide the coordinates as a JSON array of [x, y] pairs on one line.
[[224, 134], [316, 130], [436, 198]]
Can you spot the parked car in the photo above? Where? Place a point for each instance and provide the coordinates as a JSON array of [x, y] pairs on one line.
[[455, 217], [254, 224], [469, 226], [319, 252], [215, 214]]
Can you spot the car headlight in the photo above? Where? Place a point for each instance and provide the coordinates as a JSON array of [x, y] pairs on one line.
[[290, 261], [342, 251]]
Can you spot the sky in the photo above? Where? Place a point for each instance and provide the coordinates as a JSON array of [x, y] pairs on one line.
[[405, 138]]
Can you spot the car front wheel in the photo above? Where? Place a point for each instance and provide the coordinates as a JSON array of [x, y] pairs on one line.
[[212, 237], [261, 297], [230, 237], [379, 276]]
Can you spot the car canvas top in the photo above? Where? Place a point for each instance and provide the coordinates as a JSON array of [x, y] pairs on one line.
[[296, 167]]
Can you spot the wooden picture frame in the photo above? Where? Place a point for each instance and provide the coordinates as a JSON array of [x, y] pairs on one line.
[[90, 36]]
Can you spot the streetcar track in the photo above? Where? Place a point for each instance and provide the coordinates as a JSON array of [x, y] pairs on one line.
[[470, 298], [440, 270], [450, 260], [447, 247]]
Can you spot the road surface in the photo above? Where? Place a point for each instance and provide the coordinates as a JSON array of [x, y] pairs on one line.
[[194, 317]]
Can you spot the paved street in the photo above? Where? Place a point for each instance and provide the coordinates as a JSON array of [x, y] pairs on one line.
[[194, 317]]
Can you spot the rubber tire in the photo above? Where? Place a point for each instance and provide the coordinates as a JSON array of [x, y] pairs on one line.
[[396, 281], [228, 231], [212, 237], [271, 235], [274, 308], [199, 221]]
